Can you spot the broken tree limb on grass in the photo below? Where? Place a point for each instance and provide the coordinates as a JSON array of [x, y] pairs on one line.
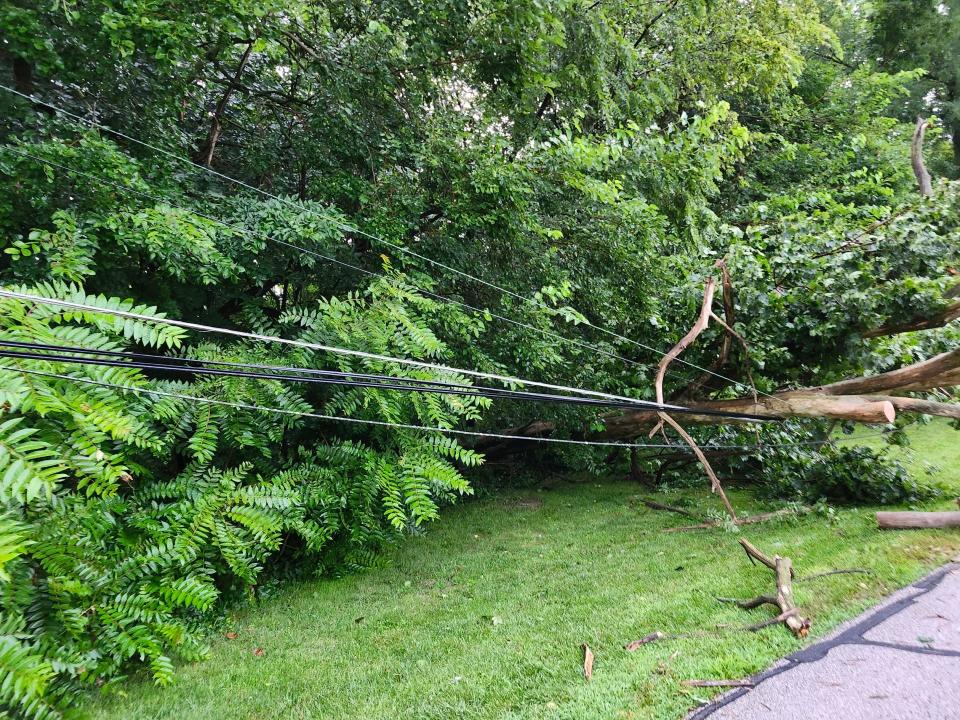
[[645, 640], [909, 520], [783, 576], [717, 683], [749, 520], [654, 505]]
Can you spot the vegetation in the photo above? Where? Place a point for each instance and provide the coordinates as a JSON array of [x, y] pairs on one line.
[[394, 164], [484, 616]]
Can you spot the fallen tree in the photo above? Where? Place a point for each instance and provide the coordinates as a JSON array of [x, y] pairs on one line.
[[870, 399], [907, 519]]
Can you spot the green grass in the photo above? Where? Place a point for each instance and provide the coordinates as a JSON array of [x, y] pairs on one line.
[[484, 616]]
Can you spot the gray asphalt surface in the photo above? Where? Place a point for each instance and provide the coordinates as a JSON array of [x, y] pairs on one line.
[[898, 661]]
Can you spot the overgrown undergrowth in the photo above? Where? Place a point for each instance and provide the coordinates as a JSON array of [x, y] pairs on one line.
[[484, 615]]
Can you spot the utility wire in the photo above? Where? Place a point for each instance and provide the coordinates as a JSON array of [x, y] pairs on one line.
[[56, 302], [314, 253], [348, 228], [404, 426], [396, 383], [383, 382]]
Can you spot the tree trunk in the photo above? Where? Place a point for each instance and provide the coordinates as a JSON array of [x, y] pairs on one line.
[[871, 399], [955, 140], [904, 520], [916, 158], [205, 153]]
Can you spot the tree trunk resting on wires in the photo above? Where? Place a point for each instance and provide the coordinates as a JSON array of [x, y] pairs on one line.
[[872, 399]]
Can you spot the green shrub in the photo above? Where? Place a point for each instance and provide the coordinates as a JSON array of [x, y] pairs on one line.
[[126, 515]]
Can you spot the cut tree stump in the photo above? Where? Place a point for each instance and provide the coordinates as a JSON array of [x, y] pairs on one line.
[[906, 520]]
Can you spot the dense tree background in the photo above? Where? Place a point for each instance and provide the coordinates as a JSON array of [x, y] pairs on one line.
[[594, 158]]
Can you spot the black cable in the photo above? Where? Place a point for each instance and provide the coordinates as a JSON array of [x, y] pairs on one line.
[[330, 377]]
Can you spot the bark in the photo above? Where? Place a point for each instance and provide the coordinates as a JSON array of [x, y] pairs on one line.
[[955, 140], [948, 314], [208, 148], [23, 76], [871, 399], [783, 574], [904, 520], [939, 371], [916, 158]]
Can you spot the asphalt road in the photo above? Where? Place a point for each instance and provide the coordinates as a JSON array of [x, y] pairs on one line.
[[898, 661]]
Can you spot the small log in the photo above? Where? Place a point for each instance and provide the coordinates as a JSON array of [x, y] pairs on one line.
[[800, 626], [717, 683], [904, 520], [645, 640]]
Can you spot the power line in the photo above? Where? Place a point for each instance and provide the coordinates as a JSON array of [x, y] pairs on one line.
[[110, 358], [56, 302], [404, 426], [317, 416], [372, 273], [348, 228]]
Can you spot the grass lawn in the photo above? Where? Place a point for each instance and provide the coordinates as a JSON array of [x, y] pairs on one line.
[[483, 616]]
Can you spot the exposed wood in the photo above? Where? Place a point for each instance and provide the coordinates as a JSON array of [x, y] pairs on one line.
[[926, 407], [916, 158], [907, 519], [715, 485], [645, 640], [717, 683], [754, 553], [784, 574], [703, 320], [854, 399]]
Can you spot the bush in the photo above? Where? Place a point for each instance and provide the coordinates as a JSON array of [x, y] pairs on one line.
[[839, 474], [125, 516]]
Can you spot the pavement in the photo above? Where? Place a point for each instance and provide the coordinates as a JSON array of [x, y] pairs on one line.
[[898, 661]]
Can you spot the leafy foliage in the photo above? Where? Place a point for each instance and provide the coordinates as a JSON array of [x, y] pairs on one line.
[[593, 158]]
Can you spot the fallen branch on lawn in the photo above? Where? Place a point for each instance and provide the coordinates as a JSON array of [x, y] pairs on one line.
[[783, 574], [762, 517], [907, 520], [717, 683], [654, 505], [755, 627]]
